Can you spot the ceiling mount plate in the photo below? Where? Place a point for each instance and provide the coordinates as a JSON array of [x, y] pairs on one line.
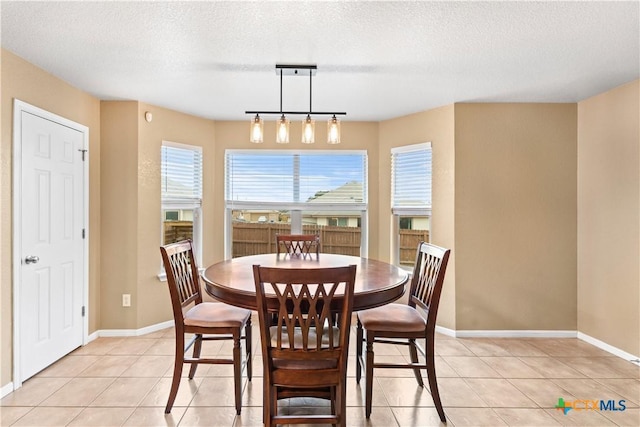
[[296, 69]]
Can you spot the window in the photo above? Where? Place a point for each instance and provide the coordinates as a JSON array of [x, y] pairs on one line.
[[181, 194], [406, 223], [340, 222], [285, 191], [410, 199], [171, 215]]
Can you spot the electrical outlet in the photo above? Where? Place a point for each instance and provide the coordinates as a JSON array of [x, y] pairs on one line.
[[126, 300]]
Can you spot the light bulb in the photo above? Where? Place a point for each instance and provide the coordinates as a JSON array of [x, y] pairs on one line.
[[282, 135], [256, 130], [308, 130], [333, 131]]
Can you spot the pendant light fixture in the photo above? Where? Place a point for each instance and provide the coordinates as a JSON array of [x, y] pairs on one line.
[[256, 134], [283, 123], [333, 131], [309, 125], [308, 130], [282, 130], [282, 127]]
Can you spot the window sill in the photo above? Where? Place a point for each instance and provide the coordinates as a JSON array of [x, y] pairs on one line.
[[407, 268]]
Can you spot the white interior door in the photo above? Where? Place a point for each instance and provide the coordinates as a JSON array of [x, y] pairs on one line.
[[51, 279]]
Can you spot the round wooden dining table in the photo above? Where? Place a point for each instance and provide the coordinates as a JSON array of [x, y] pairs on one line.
[[377, 283]]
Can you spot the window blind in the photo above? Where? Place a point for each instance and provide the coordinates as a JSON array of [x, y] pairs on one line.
[[181, 173], [411, 179], [295, 178]]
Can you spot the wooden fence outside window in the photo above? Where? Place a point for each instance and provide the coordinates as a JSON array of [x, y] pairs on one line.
[[250, 238]]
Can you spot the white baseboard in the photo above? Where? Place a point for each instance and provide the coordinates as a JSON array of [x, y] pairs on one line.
[[6, 389], [515, 334], [505, 333], [609, 348], [539, 334], [92, 336], [446, 331], [130, 332]]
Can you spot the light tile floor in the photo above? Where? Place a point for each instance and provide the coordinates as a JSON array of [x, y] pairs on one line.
[[483, 382]]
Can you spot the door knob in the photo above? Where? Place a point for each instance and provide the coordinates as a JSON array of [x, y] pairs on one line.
[[31, 259]]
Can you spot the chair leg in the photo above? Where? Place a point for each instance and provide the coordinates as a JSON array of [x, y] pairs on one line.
[[358, 352], [270, 406], [369, 375], [433, 382], [342, 392], [177, 371], [197, 348], [247, 347], [266, 410], [237, 370], [333, 400], [413, 351]]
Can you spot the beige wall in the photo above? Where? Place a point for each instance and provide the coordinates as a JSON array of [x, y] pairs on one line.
[[154, 302], [515, 216], [435, 126], [609, 217], [131, 216], [119, 175], [21, 80]]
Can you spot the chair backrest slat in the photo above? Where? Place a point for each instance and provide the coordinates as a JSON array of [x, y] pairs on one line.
[[304, 326], [428, 278], [182, 275], [297, 244]]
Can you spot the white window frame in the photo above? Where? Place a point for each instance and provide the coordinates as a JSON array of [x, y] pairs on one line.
[[411, 211], [194, 204], [297, 209]]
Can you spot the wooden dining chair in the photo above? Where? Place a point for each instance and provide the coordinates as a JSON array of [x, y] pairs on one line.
[[297, 244], [405, 323], [304, 353], [216, 320]]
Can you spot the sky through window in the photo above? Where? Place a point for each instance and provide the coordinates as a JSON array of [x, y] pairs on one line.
[[270, 177]]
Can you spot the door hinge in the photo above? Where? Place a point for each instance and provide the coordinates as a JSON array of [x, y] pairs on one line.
[[83, 311], [83, 233], [83, 151]]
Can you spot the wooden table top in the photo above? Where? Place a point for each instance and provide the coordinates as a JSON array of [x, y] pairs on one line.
[[377, 283]]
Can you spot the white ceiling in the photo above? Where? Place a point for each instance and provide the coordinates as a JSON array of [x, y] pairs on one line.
[[376, 60]]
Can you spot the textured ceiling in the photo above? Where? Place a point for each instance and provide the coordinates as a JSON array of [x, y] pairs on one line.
[[376, 60]]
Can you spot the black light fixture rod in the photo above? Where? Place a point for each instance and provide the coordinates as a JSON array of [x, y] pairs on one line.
[[317, 113], [293, 69], [310, 92], [281, 91]]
